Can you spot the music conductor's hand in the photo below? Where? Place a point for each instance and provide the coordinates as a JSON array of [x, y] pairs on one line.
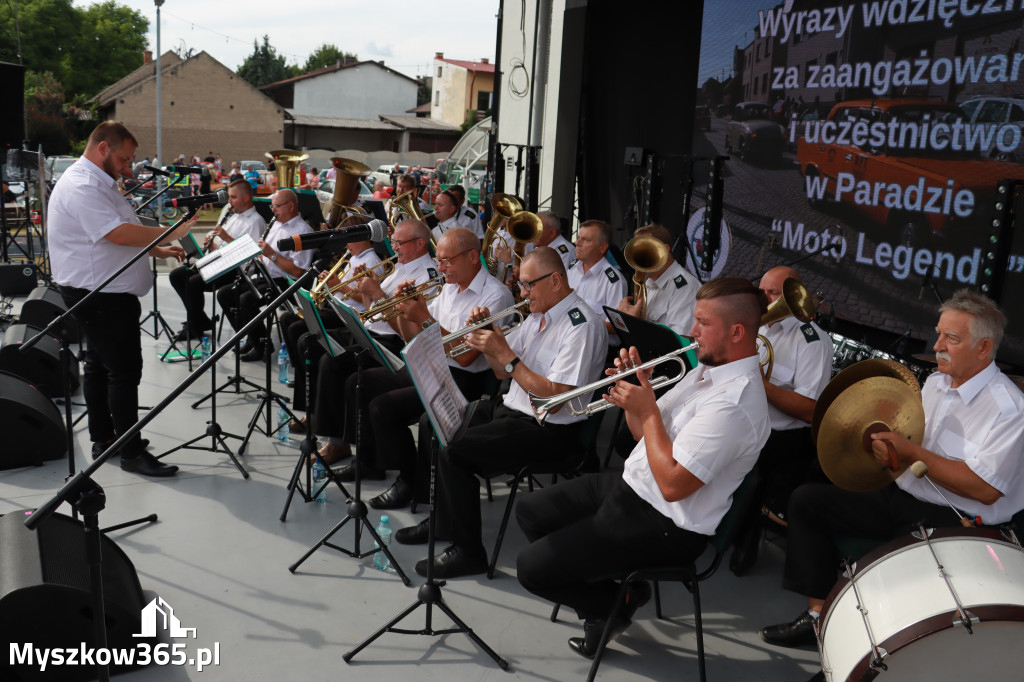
[[173, 251], [637, 400]]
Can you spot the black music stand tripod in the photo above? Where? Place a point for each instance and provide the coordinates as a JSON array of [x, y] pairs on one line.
[[218, 436]]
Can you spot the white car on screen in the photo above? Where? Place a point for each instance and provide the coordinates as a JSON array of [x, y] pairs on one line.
[[1005, 115]]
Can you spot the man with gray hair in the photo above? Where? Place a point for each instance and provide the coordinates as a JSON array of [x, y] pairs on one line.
[[973, 446]]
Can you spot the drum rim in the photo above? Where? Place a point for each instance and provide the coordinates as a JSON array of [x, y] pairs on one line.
[[905, 541], [930, 626]]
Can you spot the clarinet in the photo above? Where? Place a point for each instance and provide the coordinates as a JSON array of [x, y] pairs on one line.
[[227, 214]]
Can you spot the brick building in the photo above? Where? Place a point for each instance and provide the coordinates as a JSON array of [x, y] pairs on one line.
[[206, 107]]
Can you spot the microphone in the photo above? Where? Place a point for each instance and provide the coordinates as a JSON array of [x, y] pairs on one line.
[[219, 197], [374, 231], [924, 284], [920, 470], [157, 171], [185, 169]]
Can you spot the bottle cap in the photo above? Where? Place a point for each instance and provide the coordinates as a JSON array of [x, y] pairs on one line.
[[383, 518]]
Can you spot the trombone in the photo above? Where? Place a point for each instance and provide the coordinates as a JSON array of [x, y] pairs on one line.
[[545, 405], [463, 348], [387, 309]]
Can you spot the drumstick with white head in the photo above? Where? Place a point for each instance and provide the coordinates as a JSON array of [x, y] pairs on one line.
[[920, 470]]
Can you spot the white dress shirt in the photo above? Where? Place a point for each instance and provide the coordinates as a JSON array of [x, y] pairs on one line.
[[451, 308], [671, 299], [438, 230], [84, 207], [248, 222], [420, 270], [602, 285], [569, 350], [717, 418], [279, 230], [802, 363], [981, 424], [367, 258], [564, 247], [468, 219]]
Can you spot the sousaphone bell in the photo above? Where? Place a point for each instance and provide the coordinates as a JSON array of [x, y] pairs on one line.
[[285, 163]]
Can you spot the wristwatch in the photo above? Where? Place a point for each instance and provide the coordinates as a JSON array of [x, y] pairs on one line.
[[427, 322], [511, 365], [274, 257]]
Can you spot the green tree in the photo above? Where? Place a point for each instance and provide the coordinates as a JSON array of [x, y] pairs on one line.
[[265, 65], [44, 110], [112, 41], [49, 34], [327, 54]]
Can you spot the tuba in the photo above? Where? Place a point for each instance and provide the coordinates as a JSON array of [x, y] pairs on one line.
[[285, 163], [346, 180], [407, 203], [795, 301], [645, 254]]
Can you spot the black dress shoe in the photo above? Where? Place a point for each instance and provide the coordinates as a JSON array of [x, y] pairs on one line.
[[414, 535], [245, 346], [396, 497], [586, 646], [454, 562], [799, 633], [744, 554], [99, 448], [147, 465], [347, 473], [255, 354]]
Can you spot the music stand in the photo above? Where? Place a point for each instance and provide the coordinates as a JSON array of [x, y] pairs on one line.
[[209, 269], [446, 408], [652, 340], [315, 325], [369, 349]]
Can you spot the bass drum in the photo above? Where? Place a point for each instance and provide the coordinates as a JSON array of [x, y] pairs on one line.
[[898, 601]]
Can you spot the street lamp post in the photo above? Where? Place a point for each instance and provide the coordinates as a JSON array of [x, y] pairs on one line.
[[159, 129]]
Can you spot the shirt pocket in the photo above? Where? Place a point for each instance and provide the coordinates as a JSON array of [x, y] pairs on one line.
[[957, 447], [783, 374]]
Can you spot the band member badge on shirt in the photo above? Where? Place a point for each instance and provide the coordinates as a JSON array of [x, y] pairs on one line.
[[563, 248], [576, 316], [612, 277], [809, 333], [431, 273], [679, 281], [469, 214], [573, 263]]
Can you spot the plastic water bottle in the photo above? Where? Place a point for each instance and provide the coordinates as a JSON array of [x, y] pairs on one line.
[[319, 479], [380, 559], [205, 348], [282, 423], [282, 364]]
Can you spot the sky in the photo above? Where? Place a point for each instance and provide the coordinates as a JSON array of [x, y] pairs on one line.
[[727, 24], [402, 33]]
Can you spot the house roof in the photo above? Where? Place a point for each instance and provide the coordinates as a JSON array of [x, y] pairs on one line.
[[421, 109], [169, 60], [428, 125], [483, 67], [337, 122], [331, 69]]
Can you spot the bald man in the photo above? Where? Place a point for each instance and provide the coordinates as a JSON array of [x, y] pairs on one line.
[[802, 366], [695, 446]]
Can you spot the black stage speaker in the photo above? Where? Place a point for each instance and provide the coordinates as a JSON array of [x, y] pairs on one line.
[[12, 107], [45, 598], [40, 364], [17, 279], [42, 305], [32, 425]]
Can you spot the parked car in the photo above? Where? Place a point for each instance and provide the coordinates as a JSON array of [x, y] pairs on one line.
[[59, 164], [383, 173], [753, 135], [325, 192], [1004, 114], [880, 181], [702, 118]]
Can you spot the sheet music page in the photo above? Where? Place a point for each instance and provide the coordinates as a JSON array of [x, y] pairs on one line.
[[428, 367], [227, 258]]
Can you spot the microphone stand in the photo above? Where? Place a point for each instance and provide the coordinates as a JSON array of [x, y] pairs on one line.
[[88, 496], [160, 325]]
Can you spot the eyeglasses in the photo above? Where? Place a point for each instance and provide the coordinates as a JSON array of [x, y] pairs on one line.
[[447, 262], [273, 206], [527, 285], [397, 243]]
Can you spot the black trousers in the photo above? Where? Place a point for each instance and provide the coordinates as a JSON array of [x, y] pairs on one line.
[[819, 511], [587, 530], [241, 304], [189, 286], [299, 341], [504, 444], [113, 361]]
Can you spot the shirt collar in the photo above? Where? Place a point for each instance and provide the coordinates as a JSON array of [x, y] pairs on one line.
[[972, 387], [97, 172], [730, 370], [563, 306], [668, 276], [478, 282]]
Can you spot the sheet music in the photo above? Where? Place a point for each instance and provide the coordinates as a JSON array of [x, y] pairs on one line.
[[350, 317], [315, 324], [227, 258], [445, 405]]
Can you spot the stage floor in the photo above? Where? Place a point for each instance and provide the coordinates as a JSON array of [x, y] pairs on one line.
[[219, 555]]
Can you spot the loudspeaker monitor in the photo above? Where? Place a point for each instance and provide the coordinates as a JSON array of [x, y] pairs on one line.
[[32, 425], [40, 364]]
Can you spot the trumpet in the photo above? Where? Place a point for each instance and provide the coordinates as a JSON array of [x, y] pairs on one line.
[[545, 405], [463, 348], [388, 308], [387, 268]]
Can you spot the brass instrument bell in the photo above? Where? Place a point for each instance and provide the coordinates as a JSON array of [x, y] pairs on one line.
[[645, 254], [346, 179], [285, 163]]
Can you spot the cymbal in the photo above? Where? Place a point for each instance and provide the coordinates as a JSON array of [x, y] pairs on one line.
[[875, 367], [869, 406]]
